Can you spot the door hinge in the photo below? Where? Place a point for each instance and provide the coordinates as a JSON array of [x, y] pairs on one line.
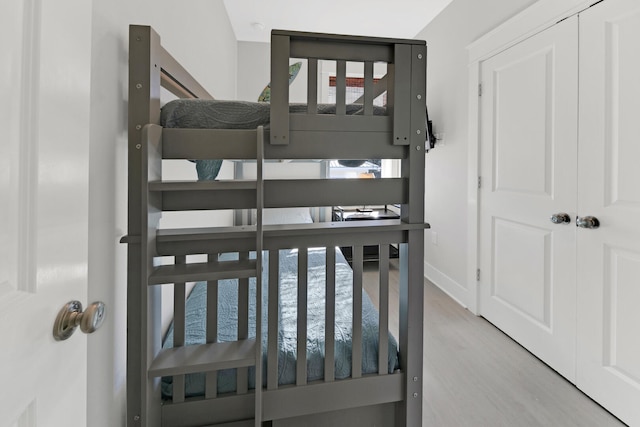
[[479, 182], [478, 275], [480, 89]]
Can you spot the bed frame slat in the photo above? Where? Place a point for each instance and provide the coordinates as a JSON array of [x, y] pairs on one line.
[[179, 290], [208, 143], [178, 389], [333, 192], [330, 315], [291, 401], [401, 96], [203, 357], [272, 332], [195, 272], [243, 323], [319, 144], [368, 88], [312, 86], [177, 80], [301, 361], [340, 50], [211, 377], [383, 310], [341, 88], [257, 408], [280, 193], [356, 341], [235, 239], [280, 55], [340, 122]]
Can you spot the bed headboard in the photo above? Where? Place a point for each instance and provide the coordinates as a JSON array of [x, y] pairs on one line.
[[403, 74]]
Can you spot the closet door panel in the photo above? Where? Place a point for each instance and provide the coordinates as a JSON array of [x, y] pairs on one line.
[[528, 168], [609, 175]]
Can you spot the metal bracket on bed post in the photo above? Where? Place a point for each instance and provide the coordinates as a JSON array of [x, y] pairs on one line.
[[280, 50]]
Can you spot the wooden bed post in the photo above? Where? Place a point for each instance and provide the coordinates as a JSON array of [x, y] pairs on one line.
[[412, 58], [143, 405]]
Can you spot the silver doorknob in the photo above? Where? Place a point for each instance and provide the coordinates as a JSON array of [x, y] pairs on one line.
[[560, 218], [587, 222], [71, 316]]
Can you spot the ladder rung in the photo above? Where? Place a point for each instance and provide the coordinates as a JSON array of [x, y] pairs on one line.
[[206, 240], [204, 357], [194, 272], [168, 235], [225, 185], [245, 423], [204, 195]]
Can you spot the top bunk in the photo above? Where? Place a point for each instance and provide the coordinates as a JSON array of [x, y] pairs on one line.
[[343, 129]]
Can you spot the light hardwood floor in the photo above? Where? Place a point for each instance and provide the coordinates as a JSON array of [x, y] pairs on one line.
[[475, 375]]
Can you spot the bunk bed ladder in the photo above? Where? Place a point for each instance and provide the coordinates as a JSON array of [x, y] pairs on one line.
[[181, 359], [259, 247]]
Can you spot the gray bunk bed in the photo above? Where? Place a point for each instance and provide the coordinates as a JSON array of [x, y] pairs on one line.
[[181, 381]]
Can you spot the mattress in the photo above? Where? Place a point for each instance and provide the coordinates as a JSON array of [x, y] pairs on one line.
[[222, 114], [287, 319]]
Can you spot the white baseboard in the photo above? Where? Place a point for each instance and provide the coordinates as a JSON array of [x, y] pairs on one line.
[[456, 291]]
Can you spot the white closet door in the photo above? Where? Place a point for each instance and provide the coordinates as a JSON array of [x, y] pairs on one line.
[[528, 168], [609, 189], [45, 70]]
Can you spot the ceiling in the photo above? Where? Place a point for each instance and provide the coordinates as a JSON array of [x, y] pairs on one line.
[[253, 20]]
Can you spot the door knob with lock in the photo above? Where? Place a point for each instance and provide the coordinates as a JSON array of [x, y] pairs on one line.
[[560, 218], [587, 222], [71, 316]]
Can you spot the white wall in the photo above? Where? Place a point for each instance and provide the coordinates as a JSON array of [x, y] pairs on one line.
[[447, 36], [203, 40], [254, 72]]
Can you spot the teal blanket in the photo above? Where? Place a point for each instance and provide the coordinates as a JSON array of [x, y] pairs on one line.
[[287, 315]]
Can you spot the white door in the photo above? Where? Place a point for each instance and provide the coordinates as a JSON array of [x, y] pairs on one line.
[[44, 117], [528, 171], [609, 189]]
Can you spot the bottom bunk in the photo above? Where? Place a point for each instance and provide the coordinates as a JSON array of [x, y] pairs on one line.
[[347, 373], [287, 321], [370, 400]]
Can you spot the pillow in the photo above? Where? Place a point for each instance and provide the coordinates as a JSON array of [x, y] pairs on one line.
[[208, 169], [265, 95], [273, 216], [351, 163]]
